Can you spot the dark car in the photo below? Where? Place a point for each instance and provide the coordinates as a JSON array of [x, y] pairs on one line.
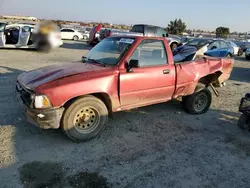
[[184, 53], [193, 45], [199, 42], [243, 45]]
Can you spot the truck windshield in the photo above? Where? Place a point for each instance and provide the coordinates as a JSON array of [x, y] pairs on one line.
[[110, 50]]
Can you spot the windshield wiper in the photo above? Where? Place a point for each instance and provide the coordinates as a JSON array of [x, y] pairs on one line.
[[85, 59]]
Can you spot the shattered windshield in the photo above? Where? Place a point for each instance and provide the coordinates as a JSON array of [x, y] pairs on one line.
[[110, 50]]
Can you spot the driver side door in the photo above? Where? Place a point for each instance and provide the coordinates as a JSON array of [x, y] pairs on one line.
[[153, 81], [213, 49]]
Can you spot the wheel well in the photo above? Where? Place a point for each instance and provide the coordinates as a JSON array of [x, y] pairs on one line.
[[211, 78], [104, 97]]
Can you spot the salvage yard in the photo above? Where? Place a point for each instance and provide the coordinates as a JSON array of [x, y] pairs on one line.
[[155, 146]]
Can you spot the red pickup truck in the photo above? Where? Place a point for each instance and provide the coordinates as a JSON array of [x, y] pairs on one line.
[[119, 73]]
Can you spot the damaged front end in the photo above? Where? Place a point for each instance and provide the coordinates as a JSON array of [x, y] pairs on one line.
[[48, 118]]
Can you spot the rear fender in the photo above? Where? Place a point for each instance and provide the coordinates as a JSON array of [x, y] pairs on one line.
[[210, 79], [206, 81], [199, 87]]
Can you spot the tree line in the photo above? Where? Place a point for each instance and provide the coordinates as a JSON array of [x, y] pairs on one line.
[[177, 27]]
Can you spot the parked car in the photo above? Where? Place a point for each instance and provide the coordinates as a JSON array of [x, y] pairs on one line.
[[71, 34], [85, 34], [243, 45], [186, 39], [43, 36], [119, 73], [198, 44], [247, 54], [220, 48], [209, 47]]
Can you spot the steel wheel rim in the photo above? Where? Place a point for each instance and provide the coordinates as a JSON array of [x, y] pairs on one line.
[[200, 102], [86, 120]]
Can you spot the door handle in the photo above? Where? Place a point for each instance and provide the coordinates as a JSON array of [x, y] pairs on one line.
[[166, 71]]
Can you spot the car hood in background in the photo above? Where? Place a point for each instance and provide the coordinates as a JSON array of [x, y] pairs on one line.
[[93, 32], [182, 52], [37, 77]]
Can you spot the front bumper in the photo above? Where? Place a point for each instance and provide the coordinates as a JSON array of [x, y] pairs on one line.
[[43, 118]]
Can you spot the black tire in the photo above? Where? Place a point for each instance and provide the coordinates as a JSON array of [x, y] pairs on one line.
[[74, 122], [242, 122], [75, 38], [240, 52], [198, 103], [247, 58], [173, 46]]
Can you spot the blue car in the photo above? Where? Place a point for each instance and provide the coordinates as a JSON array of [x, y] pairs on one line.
[[220, 48]]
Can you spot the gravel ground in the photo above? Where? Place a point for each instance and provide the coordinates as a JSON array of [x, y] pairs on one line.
[[154, 146]]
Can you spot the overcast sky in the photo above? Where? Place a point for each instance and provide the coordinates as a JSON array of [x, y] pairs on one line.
[[198, 14]]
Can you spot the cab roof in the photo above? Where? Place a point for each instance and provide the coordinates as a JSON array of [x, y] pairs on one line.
[[137, 37]]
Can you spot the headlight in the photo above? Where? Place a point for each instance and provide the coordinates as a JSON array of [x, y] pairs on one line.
[[42, 101]]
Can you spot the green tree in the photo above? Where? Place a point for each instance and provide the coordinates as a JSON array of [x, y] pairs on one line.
[[176, 27], [222, 32]]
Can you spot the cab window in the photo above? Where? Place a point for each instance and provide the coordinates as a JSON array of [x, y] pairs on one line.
[[150, 53]]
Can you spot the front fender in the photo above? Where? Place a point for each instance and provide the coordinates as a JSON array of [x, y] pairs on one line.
[[62, 90]]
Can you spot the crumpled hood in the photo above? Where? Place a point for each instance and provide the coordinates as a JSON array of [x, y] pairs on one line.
[[37, 77]]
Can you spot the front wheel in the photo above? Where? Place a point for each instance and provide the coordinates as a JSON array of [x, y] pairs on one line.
[[198, 103], [85, 118]]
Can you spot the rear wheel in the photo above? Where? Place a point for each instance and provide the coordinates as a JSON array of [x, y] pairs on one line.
[[85, 118], [75, 38], [242, 122], [198, 103]]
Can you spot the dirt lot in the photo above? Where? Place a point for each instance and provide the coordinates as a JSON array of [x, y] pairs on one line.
[[155, 146]]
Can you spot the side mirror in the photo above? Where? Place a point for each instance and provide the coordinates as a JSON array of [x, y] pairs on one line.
[[133, 63], [84, 59]]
